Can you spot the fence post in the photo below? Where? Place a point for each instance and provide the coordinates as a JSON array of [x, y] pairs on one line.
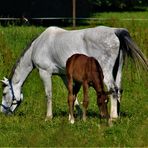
[[74, 13]]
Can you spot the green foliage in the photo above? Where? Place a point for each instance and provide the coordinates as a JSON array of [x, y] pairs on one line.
[[27, 127], [112, 5]]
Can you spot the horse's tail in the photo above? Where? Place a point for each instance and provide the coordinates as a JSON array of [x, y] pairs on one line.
[[129, 48]]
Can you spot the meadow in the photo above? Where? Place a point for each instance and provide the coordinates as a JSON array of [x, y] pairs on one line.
[[27, 126]]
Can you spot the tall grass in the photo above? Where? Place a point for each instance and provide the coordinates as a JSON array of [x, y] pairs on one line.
[[27, 126]]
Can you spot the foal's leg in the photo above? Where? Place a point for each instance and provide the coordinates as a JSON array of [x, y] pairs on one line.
[[76, 103], [70, 99], [46, 77], [76, 89], [85, 100]]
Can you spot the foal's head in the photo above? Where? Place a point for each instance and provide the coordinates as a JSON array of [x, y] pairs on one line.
[[102, 100]]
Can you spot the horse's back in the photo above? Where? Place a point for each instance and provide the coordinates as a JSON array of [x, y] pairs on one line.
[[55, 45]]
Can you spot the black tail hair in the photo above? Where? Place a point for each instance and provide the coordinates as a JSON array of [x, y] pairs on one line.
[[129, 48]]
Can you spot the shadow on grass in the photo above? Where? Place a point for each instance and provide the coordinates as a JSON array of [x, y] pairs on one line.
[[125, 114], [77, 114]]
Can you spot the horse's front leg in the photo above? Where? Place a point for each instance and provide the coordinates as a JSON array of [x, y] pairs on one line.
[[46, 77]]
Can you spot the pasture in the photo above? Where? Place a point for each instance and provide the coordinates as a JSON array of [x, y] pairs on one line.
[[27, 127]]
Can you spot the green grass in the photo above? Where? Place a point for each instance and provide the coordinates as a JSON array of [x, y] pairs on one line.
[[27, 126], [122, 15]]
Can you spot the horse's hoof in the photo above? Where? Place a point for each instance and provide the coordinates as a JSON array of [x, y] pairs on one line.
[[49, 118], [111, 121]]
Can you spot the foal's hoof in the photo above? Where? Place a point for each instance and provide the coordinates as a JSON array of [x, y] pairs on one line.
[[48, 118], [72, 121]]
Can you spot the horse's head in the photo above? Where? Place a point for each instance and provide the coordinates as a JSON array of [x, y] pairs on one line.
[[9, 101], [102, 100]]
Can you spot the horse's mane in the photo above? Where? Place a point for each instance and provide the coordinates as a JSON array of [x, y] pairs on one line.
[[18, 60]]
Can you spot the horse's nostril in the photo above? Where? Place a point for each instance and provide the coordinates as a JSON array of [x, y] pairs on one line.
[[103, 116]]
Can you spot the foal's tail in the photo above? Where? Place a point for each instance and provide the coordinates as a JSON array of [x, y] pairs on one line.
[[129, 48]]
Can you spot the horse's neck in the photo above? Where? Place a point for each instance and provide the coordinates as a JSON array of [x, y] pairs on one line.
[[22, 69]]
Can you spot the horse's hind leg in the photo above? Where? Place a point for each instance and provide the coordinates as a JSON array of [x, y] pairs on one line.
[[110, 83], [46, 77], [115, 97], [118, 82]]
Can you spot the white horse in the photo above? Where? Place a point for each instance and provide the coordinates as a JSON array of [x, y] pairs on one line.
[[49, 52]]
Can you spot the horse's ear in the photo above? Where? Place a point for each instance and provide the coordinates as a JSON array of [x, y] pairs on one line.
[[5, 81]]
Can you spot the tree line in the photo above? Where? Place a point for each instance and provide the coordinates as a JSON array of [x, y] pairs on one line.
[[118, 5]]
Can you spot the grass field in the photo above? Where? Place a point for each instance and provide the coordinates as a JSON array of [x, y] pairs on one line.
[[27, 126]]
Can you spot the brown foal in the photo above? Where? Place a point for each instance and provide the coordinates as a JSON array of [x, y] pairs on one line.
[[85, 70]]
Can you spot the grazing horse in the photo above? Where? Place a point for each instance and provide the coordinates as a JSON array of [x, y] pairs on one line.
[[85, 70], [50, 51]]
